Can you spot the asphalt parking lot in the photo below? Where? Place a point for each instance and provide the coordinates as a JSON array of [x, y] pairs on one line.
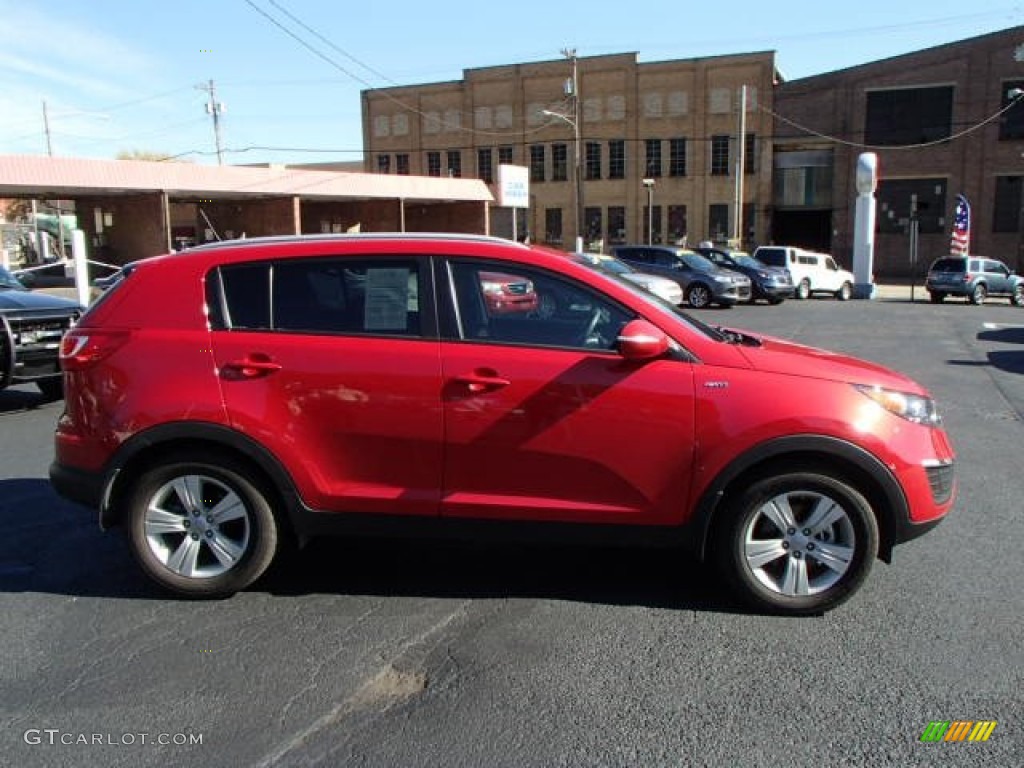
[[425, 654]]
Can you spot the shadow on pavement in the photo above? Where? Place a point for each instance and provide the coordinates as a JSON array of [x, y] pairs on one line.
[[52, 546]]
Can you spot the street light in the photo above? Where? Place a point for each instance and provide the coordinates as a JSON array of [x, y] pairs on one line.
[[577, 172], [649, 184]]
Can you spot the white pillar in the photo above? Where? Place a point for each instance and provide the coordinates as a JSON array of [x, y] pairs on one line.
[[81, 267], [864, 226]]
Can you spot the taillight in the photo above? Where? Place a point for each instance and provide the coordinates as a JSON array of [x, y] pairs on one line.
[[83, 347]]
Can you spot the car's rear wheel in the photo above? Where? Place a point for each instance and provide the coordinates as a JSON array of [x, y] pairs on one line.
[[698, 295], [803, 289], [201, 526], [1017, 297], [937, 297], [978, 295], [797, 543], [845, 292]]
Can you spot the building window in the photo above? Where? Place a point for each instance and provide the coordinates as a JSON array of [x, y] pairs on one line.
[[719, 155], [677, 224], [718, 222], [592, 225], [559, 162], [383, 163], [536, 162], [750, 153], [677, 157], [1011, 122], [505, 155], [652, 219], [894, 198], [1006, 211], [616, 159], [652, 166], [402, 164], [455, 163], [433, 163], [553, 226], [485, 164], [908, 116], [593, 160], [749, 222], [616, 224]]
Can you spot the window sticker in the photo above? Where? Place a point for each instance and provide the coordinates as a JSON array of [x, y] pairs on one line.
[[387, 299]]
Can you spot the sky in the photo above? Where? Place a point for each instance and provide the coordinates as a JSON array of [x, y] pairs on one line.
[[122, 75]]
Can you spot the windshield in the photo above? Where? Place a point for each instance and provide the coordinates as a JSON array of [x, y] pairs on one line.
[[10, 282], [698, 262], [746, 260]]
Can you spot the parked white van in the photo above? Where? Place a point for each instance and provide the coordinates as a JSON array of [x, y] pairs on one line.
[[812, 272]]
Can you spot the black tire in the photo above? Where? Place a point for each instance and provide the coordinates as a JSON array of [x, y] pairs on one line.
[[1017, 297], [764, 563], [937, 297], [698, 295], [977, 296], [161, 521], [775, 302], [52, 389], [803, 290], [845, 292]]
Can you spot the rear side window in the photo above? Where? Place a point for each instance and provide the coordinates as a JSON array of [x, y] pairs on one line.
[[325, 295]]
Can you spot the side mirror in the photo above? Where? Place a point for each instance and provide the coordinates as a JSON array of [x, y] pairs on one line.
[[639, 340]]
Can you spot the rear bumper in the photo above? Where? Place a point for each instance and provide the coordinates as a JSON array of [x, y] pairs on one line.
[[77, 485]]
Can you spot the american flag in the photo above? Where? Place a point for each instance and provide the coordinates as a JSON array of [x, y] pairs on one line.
[[961, 239]]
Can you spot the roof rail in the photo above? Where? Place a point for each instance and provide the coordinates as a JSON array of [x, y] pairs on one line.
[[350, 237]]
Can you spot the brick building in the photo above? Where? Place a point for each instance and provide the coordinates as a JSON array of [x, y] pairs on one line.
[[673, 122], [929, 117], [677, 122]]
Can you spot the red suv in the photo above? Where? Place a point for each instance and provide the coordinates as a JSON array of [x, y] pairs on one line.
[[225, 400]]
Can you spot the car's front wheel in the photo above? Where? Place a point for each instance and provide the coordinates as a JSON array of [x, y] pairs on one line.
[[978, 295], [201, 526], [698, 295], [797, 543]]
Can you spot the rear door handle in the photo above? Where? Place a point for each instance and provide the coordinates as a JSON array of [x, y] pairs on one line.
[[252, 366]]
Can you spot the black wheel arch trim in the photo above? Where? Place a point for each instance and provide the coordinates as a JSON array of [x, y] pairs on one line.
[[893, 516], [192, 432]]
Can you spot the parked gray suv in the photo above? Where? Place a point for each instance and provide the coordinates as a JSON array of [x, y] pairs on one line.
[[703, 282], [974, 277]]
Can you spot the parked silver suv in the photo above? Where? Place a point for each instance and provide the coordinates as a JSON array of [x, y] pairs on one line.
[[974, 277]]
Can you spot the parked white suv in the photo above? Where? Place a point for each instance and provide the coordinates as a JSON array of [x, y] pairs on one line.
[[812, 272]]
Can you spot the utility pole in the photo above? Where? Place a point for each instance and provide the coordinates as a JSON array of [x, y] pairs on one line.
[[46, 128], [215, 109], [741, 160], [573, 90]]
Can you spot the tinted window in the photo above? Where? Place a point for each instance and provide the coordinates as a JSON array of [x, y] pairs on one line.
[[774, 257], [322, 296], [949, 265], [995, 266], [246, 296]]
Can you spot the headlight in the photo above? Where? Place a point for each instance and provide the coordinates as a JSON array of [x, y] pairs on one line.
[[920, 410], [723, 279], [491, 287]]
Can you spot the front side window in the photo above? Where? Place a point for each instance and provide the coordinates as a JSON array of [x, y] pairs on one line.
[[504, 304]]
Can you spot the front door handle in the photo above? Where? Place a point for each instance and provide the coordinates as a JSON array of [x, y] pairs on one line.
[[482, 381]]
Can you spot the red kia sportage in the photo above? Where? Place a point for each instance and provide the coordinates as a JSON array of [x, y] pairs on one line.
[[226, 399]]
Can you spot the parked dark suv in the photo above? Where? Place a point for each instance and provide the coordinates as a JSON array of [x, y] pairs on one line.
[[236, 398], [773, 284], [974, 277], [703, 282], [31, 327]]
